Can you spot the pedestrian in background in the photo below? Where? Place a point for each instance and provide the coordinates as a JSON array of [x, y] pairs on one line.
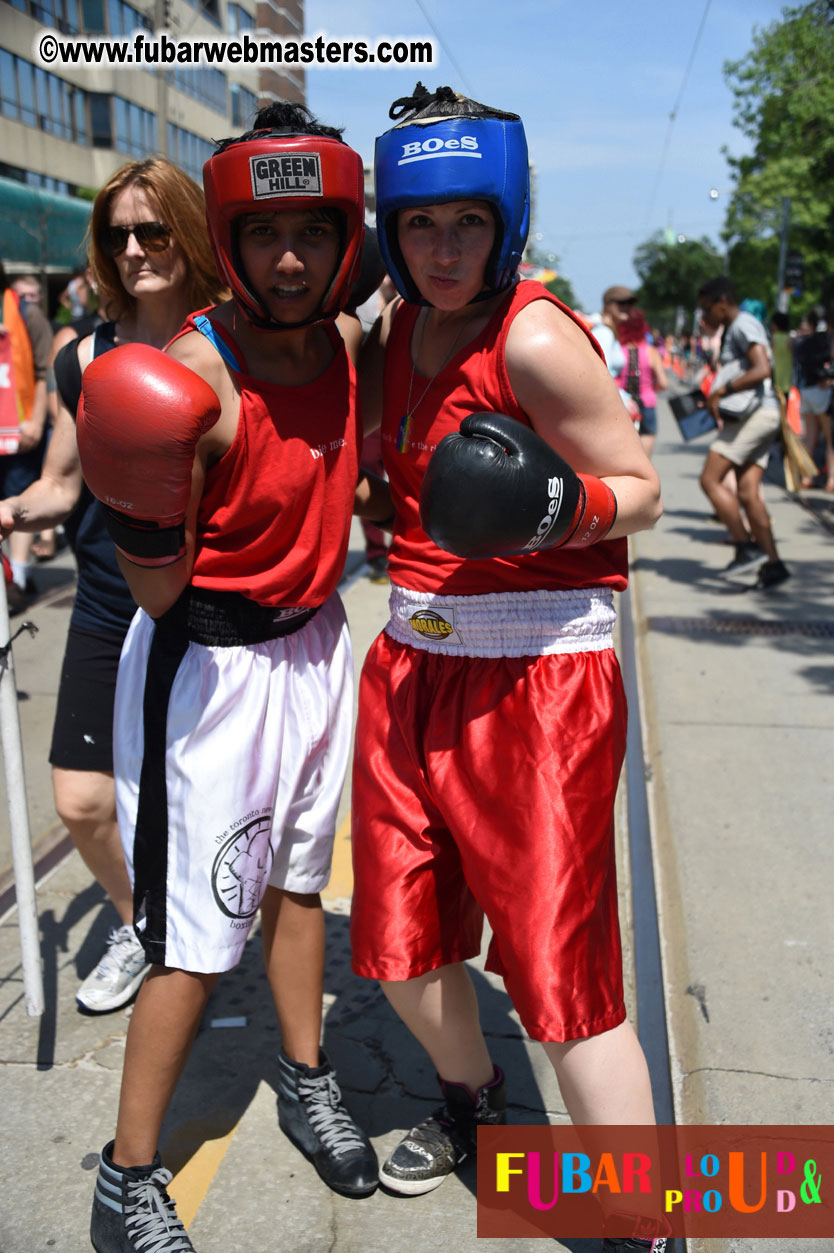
[[813, 356], [25, 343], [747, 429], [642, 375]]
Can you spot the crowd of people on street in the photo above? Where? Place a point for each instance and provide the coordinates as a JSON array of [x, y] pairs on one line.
[[195, 432]]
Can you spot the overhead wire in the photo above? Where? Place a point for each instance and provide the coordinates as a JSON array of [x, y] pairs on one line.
[[673, 115], [445, 48]]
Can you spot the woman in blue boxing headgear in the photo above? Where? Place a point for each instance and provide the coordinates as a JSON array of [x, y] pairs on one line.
[[492, 721]]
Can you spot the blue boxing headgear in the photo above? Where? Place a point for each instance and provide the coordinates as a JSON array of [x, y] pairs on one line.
[[441, 156]]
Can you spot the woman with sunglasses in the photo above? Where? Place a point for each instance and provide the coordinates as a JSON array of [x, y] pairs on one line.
[[149, 276], [491, 721]]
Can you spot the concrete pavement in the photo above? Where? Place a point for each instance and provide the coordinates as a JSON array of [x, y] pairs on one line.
[[738, 741]]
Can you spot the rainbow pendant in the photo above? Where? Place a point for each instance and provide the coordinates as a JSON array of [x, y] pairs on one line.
[[404, 433]]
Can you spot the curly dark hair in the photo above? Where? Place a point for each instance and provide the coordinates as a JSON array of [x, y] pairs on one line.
[[444, 102], [283, 115]]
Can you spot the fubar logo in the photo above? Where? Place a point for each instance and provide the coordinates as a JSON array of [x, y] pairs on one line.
[[466, 146], [427, 622], [295, 174]]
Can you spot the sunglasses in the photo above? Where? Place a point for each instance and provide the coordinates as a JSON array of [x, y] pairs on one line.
[[152, 236], [625, 304]]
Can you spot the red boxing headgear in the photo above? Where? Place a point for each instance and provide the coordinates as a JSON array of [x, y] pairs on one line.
[[279, 172]]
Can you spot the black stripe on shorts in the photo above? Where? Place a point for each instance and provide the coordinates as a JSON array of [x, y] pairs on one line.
[[150, 847]]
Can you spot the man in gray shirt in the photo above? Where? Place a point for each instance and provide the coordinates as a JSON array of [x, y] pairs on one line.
[[747, 429]]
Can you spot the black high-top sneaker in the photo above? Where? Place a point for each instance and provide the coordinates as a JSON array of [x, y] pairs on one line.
[[132, 1212], [436, 1147], [311, 1114]]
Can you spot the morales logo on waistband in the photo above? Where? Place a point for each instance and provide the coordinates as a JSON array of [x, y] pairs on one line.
[[427, 622]]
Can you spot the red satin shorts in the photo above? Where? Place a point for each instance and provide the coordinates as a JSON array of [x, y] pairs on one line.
[[487, 786]]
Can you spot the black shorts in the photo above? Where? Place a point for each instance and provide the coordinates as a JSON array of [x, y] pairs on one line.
[[82, 738]]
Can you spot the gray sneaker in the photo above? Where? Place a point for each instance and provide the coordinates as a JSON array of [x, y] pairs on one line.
[[117, 976]]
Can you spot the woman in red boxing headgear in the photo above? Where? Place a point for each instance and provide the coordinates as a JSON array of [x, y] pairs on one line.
[[230, 480], [491, 715]]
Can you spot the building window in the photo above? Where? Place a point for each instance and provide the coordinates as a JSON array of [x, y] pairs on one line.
[[37, 180], [92, 12], [123, 19], [36, 98], [208, 8], [101, 127], [62, 15], [206, 84], [31, 179], [237, 19], [244, 106], [135, 128], [189, 151], [9, 100]]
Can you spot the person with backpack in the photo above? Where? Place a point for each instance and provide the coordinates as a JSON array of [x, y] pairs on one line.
[[643, 375]]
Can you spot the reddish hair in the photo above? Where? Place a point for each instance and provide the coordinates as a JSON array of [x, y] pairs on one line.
[[635, 328]]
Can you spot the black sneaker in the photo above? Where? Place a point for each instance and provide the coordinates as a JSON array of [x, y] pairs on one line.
[[20, 598], [378, 570], [771, 575], [132, 1212], [748, 556], [436, 1147], [311, 1114]]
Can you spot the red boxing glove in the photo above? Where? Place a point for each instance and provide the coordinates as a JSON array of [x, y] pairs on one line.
[[141, 416]]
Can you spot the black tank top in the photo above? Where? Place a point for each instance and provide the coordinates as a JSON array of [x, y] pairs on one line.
[[103, 603]]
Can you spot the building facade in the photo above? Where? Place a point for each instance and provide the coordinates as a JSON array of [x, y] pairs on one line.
[[64, 131]]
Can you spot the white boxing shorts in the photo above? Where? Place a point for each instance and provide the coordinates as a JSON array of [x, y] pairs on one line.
[[229, 764]]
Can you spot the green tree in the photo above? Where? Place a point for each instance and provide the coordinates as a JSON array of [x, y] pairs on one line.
[[784, 103], [560, 286], [671, 273]]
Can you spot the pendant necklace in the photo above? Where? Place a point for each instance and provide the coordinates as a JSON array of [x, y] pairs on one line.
[[404, 432]]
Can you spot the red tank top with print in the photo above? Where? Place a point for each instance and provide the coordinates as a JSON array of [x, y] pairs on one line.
[[474, 381], [274, 519]]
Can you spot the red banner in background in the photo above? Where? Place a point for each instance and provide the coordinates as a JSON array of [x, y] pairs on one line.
[[707, 1181], [9, 416]]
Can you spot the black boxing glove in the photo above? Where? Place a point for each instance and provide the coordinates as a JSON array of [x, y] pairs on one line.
[[496, 489]]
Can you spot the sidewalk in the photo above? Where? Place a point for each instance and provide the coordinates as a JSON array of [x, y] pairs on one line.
[[238, 1182], [737, 730], [738, 719]]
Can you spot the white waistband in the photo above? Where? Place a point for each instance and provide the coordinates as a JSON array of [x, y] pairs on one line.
[[504, 624]]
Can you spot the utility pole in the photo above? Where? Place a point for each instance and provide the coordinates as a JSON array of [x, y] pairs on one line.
[[783, 297], [161, 21]]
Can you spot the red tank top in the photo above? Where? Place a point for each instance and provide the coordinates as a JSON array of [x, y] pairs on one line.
[[274, 520], [474, 381]]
